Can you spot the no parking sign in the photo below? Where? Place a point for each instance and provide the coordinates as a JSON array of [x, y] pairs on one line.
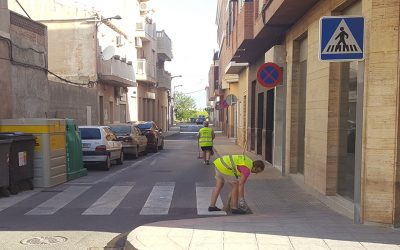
[[269, 75]]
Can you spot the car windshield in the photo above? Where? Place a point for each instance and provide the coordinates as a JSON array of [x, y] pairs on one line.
[[121, 129], [90, 133], [144, 126]]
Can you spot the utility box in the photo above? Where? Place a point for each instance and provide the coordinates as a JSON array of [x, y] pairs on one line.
[[75, 167], [50, 153], [4, 166], [20, 160]]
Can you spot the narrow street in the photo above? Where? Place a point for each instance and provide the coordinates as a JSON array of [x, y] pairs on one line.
[[155, 187]]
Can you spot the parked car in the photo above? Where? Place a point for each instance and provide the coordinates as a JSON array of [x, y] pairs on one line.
[[134, 142], [200, 119], [155, 137], [99, 144]]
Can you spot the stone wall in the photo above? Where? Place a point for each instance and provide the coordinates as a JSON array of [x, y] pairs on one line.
[[75, 102]]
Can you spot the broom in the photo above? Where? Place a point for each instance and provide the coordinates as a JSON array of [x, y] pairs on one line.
[[198, 149]]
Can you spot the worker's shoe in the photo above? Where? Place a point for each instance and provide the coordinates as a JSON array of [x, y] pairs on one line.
[[207, 162], [237, 211], [214, 209]]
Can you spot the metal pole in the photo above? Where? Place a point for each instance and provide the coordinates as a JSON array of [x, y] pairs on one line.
[[358, 147]]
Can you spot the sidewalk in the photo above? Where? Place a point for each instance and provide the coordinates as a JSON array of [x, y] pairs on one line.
[[284, 217]]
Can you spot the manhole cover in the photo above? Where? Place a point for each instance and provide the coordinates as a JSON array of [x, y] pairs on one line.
[[44, 240]]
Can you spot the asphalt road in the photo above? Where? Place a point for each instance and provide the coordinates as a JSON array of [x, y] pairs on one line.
[[95, 210]]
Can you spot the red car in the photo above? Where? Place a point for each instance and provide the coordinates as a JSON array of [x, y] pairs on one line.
[[155, 137]]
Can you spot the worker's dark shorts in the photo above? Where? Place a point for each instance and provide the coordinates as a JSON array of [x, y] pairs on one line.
[[209, 148]]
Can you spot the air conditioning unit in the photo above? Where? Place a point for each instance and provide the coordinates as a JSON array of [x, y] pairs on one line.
[[119, 92], [119, 41], [143, 7], [138, 42]]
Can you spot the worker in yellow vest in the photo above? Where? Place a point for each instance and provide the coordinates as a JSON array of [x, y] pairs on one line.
[[234, 169], [205, 139]]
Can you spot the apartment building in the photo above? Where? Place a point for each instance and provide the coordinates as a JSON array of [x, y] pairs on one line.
[[85, 49], [154, 48], [331, 126], [213, 96]]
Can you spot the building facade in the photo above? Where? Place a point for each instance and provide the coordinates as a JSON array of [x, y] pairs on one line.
[[92, 53], [23, 68], [331, 126]]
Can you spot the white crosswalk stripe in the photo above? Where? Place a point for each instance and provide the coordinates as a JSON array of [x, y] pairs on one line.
[[203, 196], [106, 204], [59, 201], [13, 200], [159, 200]]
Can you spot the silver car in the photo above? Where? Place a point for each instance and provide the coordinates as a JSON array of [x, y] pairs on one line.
[[99, 144]]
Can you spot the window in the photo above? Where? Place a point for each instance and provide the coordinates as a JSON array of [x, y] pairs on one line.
[[90, 133]]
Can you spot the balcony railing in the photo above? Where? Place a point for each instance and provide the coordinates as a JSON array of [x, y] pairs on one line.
[[163, 79], [145, 71], [117, 73], [145, 30], [164, 46]]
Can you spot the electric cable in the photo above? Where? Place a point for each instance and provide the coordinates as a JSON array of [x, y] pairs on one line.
[[27, 65]]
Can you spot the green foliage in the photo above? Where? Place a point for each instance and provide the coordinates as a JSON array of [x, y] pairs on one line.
[[185, 107], [202, 112]]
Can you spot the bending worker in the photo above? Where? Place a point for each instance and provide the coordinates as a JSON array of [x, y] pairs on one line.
[[234, 169], [205, 139]]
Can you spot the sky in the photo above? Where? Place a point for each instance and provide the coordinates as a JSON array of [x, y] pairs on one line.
[[191, 27]]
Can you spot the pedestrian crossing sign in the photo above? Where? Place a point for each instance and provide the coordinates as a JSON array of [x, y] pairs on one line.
[[341, 38]]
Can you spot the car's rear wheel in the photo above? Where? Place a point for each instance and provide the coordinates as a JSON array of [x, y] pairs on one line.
[[161, 147], [120, 161], [155, 149], [136, 153], [107, 163]]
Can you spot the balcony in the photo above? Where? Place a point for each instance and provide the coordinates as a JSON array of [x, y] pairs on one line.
[[145, 71], [164, 46], [163, 79], [117, 73], [145, 30], [275, 17], [243, 32]]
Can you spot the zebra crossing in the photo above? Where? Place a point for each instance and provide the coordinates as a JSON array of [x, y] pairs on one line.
[[158, 202]]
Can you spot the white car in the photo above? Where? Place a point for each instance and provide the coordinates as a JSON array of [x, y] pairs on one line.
[[99, 144]]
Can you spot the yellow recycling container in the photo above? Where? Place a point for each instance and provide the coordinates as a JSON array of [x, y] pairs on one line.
[[49, 159]]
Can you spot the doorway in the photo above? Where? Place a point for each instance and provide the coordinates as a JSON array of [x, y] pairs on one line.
[[101, 111], [269, 125], [348, 128], [253, 117], [260, 122]]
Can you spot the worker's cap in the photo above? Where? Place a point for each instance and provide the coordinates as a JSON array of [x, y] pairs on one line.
[[205, 123]]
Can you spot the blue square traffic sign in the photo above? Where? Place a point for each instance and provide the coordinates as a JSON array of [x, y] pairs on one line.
[[341, 38]]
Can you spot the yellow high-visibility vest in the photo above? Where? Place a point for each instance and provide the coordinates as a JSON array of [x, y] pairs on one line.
[[228, 164], [205, 139]]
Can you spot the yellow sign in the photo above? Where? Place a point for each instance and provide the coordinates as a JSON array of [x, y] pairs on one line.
[[57, 142], [38, 143]]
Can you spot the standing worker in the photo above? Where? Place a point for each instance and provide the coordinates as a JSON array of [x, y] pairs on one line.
[[234, 169], [205, 139]]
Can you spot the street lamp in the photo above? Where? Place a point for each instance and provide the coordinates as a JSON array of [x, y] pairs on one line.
[[171, 104]]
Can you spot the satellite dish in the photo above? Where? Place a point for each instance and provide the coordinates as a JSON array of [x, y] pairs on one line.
[[231, 99], [108, 53]]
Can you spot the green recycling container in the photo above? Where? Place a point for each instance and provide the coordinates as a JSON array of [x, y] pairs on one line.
[[74, 156]]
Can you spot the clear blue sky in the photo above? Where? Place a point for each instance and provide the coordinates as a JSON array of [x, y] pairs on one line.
[[191, 27]]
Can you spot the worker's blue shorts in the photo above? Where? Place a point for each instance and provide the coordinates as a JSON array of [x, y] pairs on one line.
[[207, 148]]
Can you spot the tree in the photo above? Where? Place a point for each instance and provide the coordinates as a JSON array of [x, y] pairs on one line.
[[185, 107]]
